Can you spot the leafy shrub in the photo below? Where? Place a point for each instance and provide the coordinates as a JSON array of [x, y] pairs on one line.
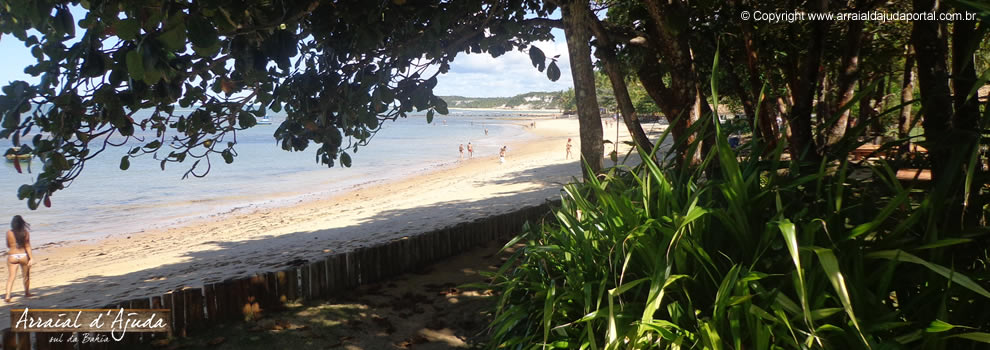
[[757, 257]]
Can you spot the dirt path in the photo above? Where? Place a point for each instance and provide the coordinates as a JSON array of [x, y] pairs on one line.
[[426, 309]]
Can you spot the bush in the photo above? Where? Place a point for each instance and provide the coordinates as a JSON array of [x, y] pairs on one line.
[[757, 257]]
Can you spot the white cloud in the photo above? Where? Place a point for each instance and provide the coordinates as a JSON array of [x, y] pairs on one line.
[[480, 75]]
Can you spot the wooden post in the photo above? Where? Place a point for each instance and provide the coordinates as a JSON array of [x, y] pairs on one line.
[[404, 258], [353, 268], [317, 271], [305, 293], [359, 266], [43, 340], [384, 265], [9, 340], [179, 313], [342, 272], [282, 287], [273, 297], [142, 303], [230, 299], [333, 285], [247, 297], [167, 304], [430, 247], [421, 260], [445, 243], [492, 235], [210, 302], [222, 301], [371, 256], [239, 296], [463, 231], [391, 263], [292, 280], [324, 279], [503, 225], [23, 341], [470, 232], [195, 316], [156, 303], [259, 287]]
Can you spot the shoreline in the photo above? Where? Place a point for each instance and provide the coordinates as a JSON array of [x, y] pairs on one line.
[[250, 240], [248, 204], [535, 111]]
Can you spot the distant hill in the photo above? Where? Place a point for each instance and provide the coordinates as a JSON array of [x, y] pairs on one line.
[[527, 101]]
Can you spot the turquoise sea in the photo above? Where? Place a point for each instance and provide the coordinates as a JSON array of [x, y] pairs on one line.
[[105, 200]]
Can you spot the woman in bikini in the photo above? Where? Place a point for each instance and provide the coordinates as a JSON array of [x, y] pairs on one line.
[[19, 254], [568, 156]]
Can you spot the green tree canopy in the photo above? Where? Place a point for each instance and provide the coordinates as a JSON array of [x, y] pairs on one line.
[[338, 70]]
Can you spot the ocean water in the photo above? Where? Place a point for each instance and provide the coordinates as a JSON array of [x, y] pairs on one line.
[[105, 200]]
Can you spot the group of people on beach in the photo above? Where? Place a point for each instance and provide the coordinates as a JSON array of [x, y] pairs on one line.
[[470, 149]]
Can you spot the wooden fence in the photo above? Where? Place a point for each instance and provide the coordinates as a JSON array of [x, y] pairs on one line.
[[196, 309]]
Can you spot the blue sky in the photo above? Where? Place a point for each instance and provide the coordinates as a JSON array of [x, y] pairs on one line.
[[471, 75], [480, 75]]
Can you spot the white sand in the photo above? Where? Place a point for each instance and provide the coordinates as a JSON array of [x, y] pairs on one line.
[[245, 242]]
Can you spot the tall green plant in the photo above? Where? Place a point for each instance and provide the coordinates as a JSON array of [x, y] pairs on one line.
[[758, 256]]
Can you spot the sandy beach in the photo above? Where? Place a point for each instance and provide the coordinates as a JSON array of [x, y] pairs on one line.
[[250, 240]]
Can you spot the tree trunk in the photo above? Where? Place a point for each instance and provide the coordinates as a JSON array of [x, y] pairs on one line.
[[606, 52], [907, 94], [877, 104], [823, 110], [575, 15], [848, 77], [803, 81], [765, 112], [964, 75], [652, 80], [865, 112], [685, 94], [965, 122], [931, 50], [869, 104]]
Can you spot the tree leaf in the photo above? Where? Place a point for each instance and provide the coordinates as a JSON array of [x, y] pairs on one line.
[[553, 72], [975, 336], [956, 277], [201, 31], [135, 65], [127, 29], [175, 38], [831, 266], [124, 163], [63, 19], [788, 230], [246, 120], [539, 59], [345, 159], [429, 116], [938, 326], [441, 106]]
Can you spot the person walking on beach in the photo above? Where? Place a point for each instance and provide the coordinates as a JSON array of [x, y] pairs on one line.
[[460, 148], [486, 131], [470, 150], [568, 156], [501, 155], [19, 255]]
